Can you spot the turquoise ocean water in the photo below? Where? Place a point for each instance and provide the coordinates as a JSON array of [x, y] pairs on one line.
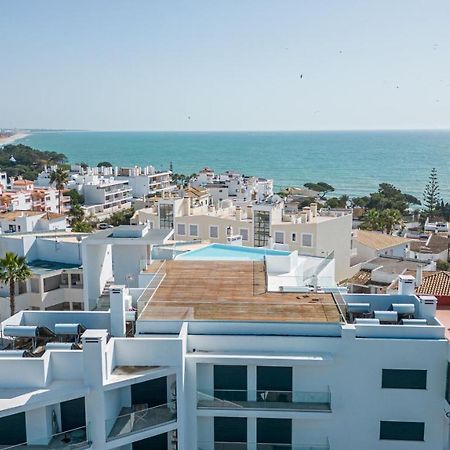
[[354, 162]]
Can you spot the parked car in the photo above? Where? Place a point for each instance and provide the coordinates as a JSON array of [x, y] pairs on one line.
[[104, 226]]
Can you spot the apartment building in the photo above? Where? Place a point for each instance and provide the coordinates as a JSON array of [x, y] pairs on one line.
[[31, 221], [104, 196], [56, 281], [233, 185], [219, 362], [258, 224]]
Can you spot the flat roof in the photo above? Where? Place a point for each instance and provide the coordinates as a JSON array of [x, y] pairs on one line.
[[231, 291]]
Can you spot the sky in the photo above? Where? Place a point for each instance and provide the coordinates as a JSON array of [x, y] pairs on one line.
[[225, 65]]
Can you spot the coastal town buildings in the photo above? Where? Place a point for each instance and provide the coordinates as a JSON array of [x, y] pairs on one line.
[[31, 221], [254, 224], [22, 195], [219, 361]]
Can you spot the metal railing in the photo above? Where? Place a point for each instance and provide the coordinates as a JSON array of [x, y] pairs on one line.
[[265, 399], [257, 446], [75, 439], [140, 420], [150, 289]]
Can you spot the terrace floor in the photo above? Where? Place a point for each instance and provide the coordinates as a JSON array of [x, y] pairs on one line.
[[232, 291]]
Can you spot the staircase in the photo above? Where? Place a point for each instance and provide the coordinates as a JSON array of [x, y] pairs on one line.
[[103, 302]]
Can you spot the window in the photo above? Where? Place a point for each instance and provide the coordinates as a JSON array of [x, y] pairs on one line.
[[274, 384], [261, 224], [230, 382], [165, 216], [230, 429], [307, 240], [294, 237], [193, 230], [213, 231], [404, 379], [402, 431], [244, 234], [273, 431], [279, 237], [181, 229], [13, 430]]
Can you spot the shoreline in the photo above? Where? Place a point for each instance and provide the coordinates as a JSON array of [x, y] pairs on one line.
[[11, 139]]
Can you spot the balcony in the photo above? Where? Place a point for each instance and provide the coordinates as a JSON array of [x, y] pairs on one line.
[[133, 420], [255, 446], [76, 439], [257, 400]]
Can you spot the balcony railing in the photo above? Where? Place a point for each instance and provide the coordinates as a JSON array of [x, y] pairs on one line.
[[264, 399], [255, 446], [135, 421], [76, 439]]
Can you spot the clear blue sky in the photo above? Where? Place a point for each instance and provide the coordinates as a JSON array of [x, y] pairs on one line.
[[229, 65]]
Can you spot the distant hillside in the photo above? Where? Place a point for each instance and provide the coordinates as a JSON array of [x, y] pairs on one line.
[[28, 161]]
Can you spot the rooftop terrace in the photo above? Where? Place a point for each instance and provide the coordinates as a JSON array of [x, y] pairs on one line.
[[231, 291]]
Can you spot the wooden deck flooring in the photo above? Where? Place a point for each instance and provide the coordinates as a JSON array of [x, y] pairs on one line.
[[233, 291]]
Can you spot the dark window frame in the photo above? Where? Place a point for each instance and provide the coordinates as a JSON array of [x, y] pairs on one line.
[[385, 436], [407, 379]]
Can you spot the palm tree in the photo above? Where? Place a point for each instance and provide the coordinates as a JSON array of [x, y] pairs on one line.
[[390, 218], [76, 214], [371, 220], [13, 268], [59, 178]]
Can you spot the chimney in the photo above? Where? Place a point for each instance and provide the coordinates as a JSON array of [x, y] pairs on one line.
[[238, 213], [406, 285], [418, 276], [303, 217], [117, 300], [313, 207], [249, 212], [307, 210], [427, 306]]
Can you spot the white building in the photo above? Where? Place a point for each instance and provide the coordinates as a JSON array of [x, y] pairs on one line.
[[56, 266], [218, 363], [31, 221], [263, 224]]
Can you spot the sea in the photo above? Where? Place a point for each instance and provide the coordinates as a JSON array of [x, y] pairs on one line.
[[354, 162]]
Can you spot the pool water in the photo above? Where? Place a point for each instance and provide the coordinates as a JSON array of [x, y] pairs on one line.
[[220, 252]]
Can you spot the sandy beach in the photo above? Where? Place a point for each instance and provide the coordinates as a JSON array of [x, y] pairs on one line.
[[10, 139]]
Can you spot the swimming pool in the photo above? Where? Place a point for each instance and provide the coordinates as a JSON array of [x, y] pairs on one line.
[[220, 252]]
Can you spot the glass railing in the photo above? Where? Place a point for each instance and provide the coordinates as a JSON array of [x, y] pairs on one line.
[[75, 439], [265, 399], [135, 421], [255, 446]]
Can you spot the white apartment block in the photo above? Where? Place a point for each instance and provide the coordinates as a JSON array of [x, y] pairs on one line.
[[31, 221], [54, 258], [233, 185], [263, 224], [104, 196], [219, 363]]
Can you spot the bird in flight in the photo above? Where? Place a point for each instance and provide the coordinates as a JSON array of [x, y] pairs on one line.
[[189, 117], [301, 76]]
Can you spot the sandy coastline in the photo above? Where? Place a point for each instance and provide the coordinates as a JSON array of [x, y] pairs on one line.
[[10, 139]]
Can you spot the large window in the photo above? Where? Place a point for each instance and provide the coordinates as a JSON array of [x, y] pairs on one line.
[[166, 216], [273, 431], [402, 431], [230, 429], [13, 430], [261, 224], [230, 382], [274, 384], [404, 379], [73, 414]]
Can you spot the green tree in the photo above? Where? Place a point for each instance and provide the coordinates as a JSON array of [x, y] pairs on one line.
[[104, 164], [75, 197], [442, 265], [321, 187], [389, 219], [59, 178], [121, 217], [338, 202], [371, 220], [13, 268], [76, 214], [82, 226], [431, 194]]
